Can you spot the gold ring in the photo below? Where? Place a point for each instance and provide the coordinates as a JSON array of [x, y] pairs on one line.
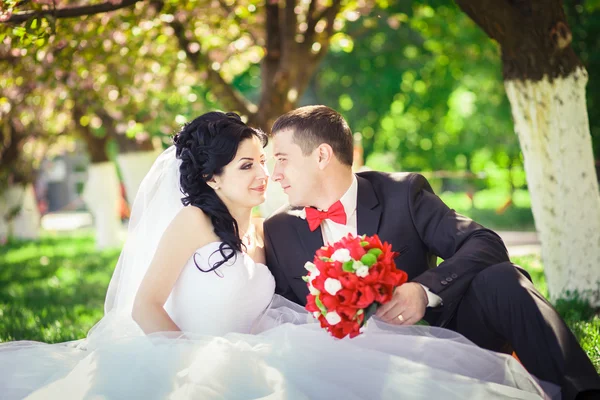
[[401, 318]]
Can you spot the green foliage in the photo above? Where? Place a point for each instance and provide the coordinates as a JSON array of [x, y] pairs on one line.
[[418, 80], [485, 204], [584, 21], [423, 86]]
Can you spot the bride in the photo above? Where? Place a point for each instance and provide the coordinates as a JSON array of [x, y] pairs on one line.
[[191, 312]]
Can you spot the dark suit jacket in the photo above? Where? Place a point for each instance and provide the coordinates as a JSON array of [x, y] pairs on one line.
[[403, 210]]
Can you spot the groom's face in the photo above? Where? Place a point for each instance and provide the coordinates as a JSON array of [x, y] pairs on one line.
[[296, 173]]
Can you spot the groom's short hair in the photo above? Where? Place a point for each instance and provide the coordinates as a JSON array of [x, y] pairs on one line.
[[314, 125]]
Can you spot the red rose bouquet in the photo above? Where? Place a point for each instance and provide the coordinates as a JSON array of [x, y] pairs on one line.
[[348, 280]]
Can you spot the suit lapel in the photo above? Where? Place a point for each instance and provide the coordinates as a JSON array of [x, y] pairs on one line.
[[368, 208], [368, 216], [311, 241]]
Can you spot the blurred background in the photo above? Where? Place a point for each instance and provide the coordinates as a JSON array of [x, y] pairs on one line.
[[91, 93]]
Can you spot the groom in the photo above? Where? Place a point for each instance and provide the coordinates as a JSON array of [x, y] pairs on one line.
[[475, 291]]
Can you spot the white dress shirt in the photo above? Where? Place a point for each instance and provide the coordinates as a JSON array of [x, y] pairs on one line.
[[332, 231]]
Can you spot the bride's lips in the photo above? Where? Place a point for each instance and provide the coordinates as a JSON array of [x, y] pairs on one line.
[[260, 189]]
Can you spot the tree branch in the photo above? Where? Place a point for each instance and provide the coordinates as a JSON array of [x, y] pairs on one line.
[[533, 36], [272, 56], [310, 20], [70, 12], [223, 90], [289, 25], [305, 74], [237, 19], [328, 13], [498, 19]]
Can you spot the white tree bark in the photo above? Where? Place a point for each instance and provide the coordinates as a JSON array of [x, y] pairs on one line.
[[551, 121], [134, 166], [26, 224], [5, 209], [102, 196], [3, 222]]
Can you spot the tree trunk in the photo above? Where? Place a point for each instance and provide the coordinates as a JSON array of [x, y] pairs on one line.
[[96, 145], [102, 196], [134, 166], [552, 123], [10, 206], [545, 84], [135, 157], [26, 224]]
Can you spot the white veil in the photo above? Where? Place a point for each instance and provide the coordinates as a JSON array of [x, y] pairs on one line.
[[156, 204]]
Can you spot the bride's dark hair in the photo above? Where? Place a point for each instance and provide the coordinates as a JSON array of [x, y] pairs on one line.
[[205, 146]]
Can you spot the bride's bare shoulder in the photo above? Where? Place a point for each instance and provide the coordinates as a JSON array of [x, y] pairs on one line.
[[191, 222], [193, 212]]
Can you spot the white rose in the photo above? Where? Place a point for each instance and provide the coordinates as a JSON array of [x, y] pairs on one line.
[[312, 268], [333, 318], [362, 271], [357, 264], [316, 314], [332, 286], [313, 290], [341, 255]]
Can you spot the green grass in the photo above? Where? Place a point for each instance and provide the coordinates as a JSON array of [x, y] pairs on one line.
[[52, 290], [485, 204]]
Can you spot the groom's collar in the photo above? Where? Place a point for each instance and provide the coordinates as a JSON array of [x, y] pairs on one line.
[[368, 215], [349, 198]]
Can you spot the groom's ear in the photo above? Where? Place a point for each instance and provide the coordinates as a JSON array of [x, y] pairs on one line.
[[324, 154]]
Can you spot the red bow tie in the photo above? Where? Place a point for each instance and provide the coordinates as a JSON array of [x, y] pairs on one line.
[[335, 213]]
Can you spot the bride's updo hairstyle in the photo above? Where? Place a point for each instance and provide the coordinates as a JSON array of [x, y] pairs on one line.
[[205, 146]]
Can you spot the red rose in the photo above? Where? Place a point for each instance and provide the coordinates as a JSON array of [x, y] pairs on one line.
[[310, 303], [347, 312], [320, 264], [353, 245], [366, 296], [349, 280], [323, 322], [384, 293], [330, 302], [344, 328], [334, 270], [357, 292], [347, 297], [374, 242], [325, 251]]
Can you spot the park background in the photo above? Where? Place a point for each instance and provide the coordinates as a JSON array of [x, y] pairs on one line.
[[497, 103]]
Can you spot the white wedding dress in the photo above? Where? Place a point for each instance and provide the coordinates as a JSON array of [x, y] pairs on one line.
[[288, 356], [239, 341]]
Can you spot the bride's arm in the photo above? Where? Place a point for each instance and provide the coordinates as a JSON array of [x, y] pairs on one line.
[[189, 230]]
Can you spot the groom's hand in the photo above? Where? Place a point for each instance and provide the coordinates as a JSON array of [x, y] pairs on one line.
[[407, 306]]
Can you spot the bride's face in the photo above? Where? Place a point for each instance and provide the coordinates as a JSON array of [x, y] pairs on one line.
[[243, 182]]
